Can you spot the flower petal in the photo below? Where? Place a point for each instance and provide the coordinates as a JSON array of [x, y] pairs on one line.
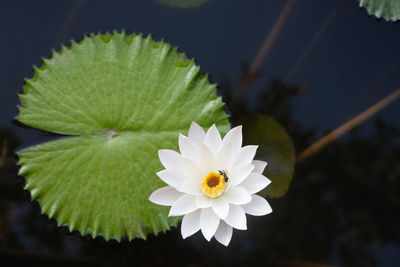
[[203, 202], [191, 170], [259, 166], [165, 196], [234, 136], [190, 187], [170, 177], [255, 182], [189, 148], [237, 195], [180, 182], [207, 160], [236, 217], [225, 157], [246, 155], [190, 223], [170, 159], [196, 133], [183, 205], [220, 206], [213, 140], [239, 173], [208, 223], [223, 233], [258, 206]]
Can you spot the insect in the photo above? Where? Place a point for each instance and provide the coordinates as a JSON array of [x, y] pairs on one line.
[[223, 174]]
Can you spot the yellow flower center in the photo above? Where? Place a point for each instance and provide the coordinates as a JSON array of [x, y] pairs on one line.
[[213, 185]]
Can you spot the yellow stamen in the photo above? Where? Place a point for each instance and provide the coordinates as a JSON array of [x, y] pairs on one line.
[[213, 185]]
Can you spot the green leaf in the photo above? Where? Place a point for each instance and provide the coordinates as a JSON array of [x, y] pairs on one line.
[[183, 3], [122, 97], [388, 9], [275, 147]]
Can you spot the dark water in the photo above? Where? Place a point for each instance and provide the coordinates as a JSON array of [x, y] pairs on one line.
[[329, 62]]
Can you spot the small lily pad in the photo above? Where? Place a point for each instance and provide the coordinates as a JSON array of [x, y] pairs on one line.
[[275, 147], [388, 9]]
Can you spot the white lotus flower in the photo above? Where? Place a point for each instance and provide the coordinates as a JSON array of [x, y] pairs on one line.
[[212, 183]]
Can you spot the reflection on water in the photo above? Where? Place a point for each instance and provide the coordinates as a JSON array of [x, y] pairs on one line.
[[340, 209], [183, 3]]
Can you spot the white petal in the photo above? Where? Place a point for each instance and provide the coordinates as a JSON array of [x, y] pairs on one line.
[[170, 159], [183, 182], [208, 223], [238, 173], [223, 233], [170, 177], [196, 133], [191, 170], [259, 166], [190, 187], [189, 148], [183, 205], [255, 182], [258, 206], [220, 207], [237, 195], [207, 161], [236, 217], [246, 155], [203, 202], [234, 136], [225, 157], [165, 196], [213, 140], [190, 223]]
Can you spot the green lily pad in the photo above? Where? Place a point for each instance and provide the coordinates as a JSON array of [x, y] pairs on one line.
[[122, 98], [182, 3], [275, 147], [388, 9]]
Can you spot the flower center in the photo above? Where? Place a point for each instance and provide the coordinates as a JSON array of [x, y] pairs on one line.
[[213, 185]]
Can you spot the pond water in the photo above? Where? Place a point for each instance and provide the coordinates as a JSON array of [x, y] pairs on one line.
[[328, 61]]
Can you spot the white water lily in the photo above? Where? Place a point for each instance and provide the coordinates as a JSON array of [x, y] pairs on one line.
[[212, 182]]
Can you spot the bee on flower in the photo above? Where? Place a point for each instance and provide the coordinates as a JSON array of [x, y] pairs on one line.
[[212, 182]]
